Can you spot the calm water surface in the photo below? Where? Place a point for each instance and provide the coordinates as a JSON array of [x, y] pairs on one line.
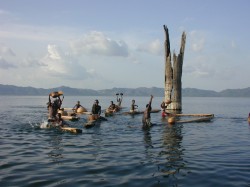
[[118, 152]]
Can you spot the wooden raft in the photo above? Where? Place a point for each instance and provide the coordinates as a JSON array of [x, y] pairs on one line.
[[202, 118], [90, 124], [140, 112], [195, 115], [71, 129], [70, 110], [71, 118]]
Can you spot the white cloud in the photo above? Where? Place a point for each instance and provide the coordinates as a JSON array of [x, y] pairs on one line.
[[199, 67], [98, 44], [197, 41], [54, 52], [5, 64], [155, 47], [61, 65], [32, 62], [6, 57], [4, 50]]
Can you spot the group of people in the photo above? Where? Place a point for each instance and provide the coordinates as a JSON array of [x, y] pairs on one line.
[[113, 107], [55, 105], [146, 118]]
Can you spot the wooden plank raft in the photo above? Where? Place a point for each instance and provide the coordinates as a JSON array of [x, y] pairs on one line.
[[71, 129], [140, 112], [90, 124], [202, 118], [70, 118], [195, 115]]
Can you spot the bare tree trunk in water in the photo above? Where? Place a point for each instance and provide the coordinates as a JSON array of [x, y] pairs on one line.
[[168, 67], [173, 74]]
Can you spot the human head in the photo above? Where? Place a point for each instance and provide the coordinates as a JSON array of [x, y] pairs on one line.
[[59, 115], [133, 101], [96, 101], [78, 102], [111, 102]]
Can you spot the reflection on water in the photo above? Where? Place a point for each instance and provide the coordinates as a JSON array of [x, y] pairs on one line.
[[168, 158], [56, 152], [172, 139]]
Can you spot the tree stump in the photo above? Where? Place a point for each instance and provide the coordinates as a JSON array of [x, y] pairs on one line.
[[173, 73]]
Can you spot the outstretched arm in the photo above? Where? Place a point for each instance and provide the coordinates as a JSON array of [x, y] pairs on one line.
[[150, 101], [49, 99]]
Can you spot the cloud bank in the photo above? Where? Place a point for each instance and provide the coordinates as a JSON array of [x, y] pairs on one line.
[[96, 43]]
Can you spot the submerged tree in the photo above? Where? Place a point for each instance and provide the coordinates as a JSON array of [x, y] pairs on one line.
[[173, 73]]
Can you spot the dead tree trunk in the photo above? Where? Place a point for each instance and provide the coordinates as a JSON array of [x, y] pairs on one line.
[[168, 67], [173, 74]]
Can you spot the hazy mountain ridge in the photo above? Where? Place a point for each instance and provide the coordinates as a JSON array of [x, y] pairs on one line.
[[141, 91]]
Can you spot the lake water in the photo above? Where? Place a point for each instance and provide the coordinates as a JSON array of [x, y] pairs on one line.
[[118, 152]]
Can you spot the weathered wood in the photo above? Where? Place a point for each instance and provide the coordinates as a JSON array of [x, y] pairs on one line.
[[71, 129], [168, 67], [203, 119], [196, 115], [173, 74], [141, 112]]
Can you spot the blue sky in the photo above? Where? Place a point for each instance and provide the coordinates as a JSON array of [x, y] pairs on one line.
[[117, 43]]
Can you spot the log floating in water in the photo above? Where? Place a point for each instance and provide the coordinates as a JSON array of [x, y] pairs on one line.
[[71, 118], [195, 115], [80, 112], [203, 119], [90, 124], [71, 129], [141, 112]]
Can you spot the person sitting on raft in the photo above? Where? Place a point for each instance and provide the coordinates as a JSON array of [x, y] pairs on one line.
[[134, 107], [112, 107], [78, 105], [96, 109], [146, 118], [164, 106], [60, 121]]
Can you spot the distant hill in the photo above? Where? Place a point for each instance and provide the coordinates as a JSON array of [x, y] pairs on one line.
[[141, 91]]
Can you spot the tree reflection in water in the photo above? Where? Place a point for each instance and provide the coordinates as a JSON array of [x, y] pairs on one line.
[[172, 153], [167, 157]]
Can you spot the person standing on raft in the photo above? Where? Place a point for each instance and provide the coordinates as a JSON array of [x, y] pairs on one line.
[[119, 100], [146, 118], [54, 106]]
